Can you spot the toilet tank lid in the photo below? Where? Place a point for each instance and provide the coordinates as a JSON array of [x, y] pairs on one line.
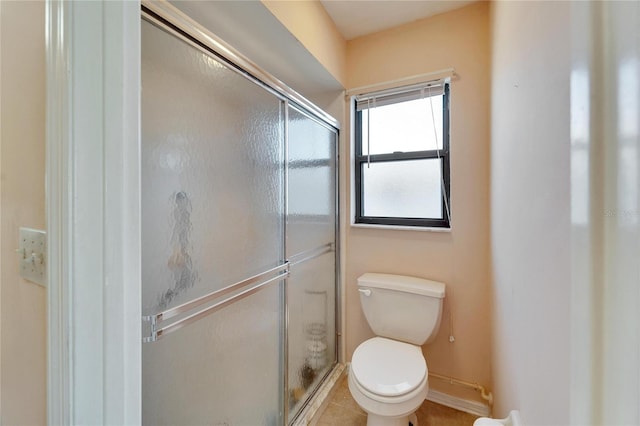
[[403, 283]]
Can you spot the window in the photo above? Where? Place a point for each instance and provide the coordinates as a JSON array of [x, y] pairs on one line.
[[402, 157]]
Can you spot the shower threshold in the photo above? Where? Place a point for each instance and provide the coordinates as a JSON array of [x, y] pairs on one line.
[[320, 398]]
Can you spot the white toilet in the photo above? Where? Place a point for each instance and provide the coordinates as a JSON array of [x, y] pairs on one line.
[[389, 375]]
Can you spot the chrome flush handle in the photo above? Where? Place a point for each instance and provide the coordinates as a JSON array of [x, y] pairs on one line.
[[365, 291]]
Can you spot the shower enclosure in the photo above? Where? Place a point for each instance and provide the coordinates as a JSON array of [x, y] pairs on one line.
[[239, 232]]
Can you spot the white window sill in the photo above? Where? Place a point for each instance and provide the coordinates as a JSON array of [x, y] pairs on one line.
[[400, 228]]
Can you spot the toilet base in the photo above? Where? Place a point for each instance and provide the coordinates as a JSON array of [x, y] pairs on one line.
[[374, 420]]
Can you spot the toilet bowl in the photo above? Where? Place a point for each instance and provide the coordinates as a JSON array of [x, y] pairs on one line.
[[389, 380], [388, 377]]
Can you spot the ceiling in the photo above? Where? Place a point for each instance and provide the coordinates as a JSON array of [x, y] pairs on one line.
[[355, 18]]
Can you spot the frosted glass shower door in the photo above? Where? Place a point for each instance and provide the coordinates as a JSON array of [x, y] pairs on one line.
[[213, 227], [311, 233]]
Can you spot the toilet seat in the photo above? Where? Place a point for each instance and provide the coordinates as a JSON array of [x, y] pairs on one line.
[[388, 369]]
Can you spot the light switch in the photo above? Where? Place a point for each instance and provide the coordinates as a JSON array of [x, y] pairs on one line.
[[33, 255]]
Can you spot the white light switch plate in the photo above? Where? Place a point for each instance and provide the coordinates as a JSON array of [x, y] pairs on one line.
[[33, 255]]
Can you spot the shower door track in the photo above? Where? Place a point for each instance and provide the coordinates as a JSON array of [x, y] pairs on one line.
[[180, 25]]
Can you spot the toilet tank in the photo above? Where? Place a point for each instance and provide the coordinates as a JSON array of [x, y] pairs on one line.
[[400, 307]]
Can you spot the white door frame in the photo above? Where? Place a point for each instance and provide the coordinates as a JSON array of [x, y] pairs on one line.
[[93, 212]]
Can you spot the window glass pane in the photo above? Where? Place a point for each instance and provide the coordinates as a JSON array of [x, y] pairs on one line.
[[410, 189], [403, 127]]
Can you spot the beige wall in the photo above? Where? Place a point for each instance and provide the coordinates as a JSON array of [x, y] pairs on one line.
[[22, 151], [461, 259], [310, 23], [530, 209]]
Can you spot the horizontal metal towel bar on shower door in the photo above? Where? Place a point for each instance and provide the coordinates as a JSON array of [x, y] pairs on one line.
[[311, 254], [199, 308], [155, 322]]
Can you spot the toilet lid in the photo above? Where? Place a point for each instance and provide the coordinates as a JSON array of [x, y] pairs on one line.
[[387, 367]]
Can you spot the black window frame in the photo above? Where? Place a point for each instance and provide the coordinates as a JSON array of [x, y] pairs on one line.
[[444, 154]]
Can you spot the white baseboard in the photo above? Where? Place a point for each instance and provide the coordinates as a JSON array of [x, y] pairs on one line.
[[472, 407]]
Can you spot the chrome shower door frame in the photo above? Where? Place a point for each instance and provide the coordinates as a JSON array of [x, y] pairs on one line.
[[171, 20]]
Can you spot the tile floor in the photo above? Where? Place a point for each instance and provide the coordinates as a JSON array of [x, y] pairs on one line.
[[344, 411]]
